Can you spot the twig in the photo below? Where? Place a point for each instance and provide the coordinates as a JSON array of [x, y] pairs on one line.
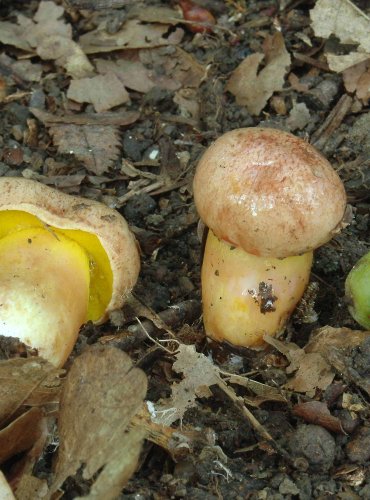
[[185, 312], [238, 401], [332, 122]]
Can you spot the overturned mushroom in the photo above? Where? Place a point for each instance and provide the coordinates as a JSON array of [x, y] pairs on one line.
[[64, 260], [269, 199]]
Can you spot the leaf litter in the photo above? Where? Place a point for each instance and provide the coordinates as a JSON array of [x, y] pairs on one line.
[[139, 70]]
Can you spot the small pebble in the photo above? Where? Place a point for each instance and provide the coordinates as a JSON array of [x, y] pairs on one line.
[[315, 444], [358, 449]]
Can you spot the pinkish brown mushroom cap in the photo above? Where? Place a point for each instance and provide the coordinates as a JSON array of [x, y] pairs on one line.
[[268, 192]]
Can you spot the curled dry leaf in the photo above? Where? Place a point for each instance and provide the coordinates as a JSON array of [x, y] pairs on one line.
[[103, 91], [96, 146], [317, 412], [101, 395], [251, 88]]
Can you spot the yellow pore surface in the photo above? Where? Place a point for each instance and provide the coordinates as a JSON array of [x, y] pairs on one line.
[[245, 296], [101, 279]]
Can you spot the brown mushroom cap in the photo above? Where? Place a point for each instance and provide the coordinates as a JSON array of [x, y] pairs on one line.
[[64, 211], [268, 192]]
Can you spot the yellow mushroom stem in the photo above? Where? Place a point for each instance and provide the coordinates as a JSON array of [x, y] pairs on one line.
[[246, 296], [44, 290]]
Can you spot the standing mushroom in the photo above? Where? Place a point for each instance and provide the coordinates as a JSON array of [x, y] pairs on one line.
[[64, 260], [269, 199]]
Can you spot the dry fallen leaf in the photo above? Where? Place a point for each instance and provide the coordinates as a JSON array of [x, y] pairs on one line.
[[251, 88], [198, 374], [31, 488], [101, 395], [21, 434], [95, 145], [117, 118], [25, 381], [25, 70], [132, 35], [317, 412], [349, 24], [103, 91], [155, 14], [311, 370], [165, 67], [335, 346], [344, 20], [66, 53], [50, 36], [357, 79]]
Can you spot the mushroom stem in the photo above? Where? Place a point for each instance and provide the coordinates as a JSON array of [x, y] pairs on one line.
[[44, 290], [246, 296]]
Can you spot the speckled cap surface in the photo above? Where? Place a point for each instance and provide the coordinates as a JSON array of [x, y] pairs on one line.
[[268, 192]]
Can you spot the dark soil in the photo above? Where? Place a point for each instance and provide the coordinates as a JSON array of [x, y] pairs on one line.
[[309, 461]]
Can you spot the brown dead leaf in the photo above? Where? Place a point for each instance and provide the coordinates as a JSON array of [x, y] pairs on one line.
[[251, 88], [118, 118], [168, 68], [335, 346], [31, 488], [50, 36], [132, 35], [357, 79], [327, 338], [103, 91], [101, 394], [340, 63], [155, 14], [23, 381], [96, 146], [133, 74], [317, 412], [311, 370], [66, 53], [21, 434]]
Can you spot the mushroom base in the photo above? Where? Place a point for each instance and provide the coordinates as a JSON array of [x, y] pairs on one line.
[[246, 296], [44, 291]]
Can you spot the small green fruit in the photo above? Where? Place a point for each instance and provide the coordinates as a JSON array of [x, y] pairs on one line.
[[358, 291]]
